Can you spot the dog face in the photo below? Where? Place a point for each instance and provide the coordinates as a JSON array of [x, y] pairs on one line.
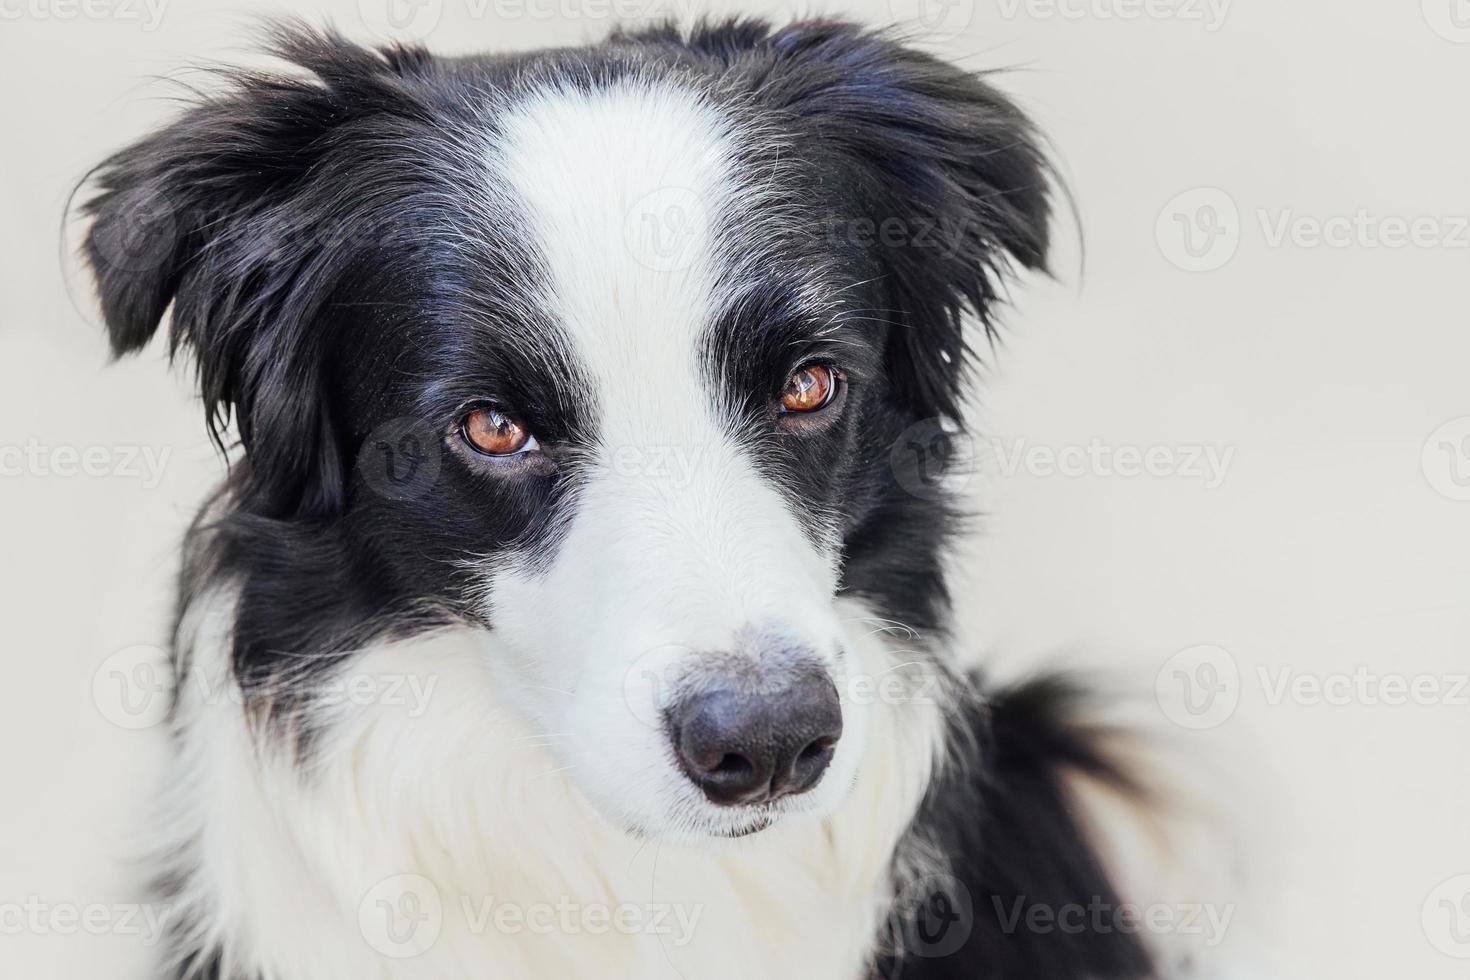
[[606, 352]]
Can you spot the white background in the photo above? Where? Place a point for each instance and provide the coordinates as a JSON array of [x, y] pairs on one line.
[[1333, 542]]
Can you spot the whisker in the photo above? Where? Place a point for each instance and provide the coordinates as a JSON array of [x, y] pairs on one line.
[[891, 626]]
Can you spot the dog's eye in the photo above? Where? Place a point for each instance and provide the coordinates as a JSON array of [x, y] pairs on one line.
[[812, 387], [493, 433]]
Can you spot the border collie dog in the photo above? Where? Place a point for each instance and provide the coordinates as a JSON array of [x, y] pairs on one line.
[[576, 603]]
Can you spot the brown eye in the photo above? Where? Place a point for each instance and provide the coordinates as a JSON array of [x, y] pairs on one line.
[[810, 388], [494, 433]]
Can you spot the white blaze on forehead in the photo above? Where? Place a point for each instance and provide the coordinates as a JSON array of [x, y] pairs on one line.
[[622, 187]]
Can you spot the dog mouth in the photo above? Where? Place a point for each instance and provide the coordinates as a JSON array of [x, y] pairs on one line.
[[726, 825], [707, 832], [739, 823], [762, 822]]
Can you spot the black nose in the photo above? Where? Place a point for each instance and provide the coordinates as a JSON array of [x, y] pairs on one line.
[[758, 736]]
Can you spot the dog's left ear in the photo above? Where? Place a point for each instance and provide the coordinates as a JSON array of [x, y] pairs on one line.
[[939, 154]]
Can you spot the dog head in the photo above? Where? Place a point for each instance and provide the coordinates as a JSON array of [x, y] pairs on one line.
[[604, 351]]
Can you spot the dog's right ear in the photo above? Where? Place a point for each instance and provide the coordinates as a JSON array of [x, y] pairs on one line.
[[218, 215]]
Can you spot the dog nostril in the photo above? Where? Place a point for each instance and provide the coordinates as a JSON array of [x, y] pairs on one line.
[[726, 776], [731, 764], [816, 748], [810, 763]]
